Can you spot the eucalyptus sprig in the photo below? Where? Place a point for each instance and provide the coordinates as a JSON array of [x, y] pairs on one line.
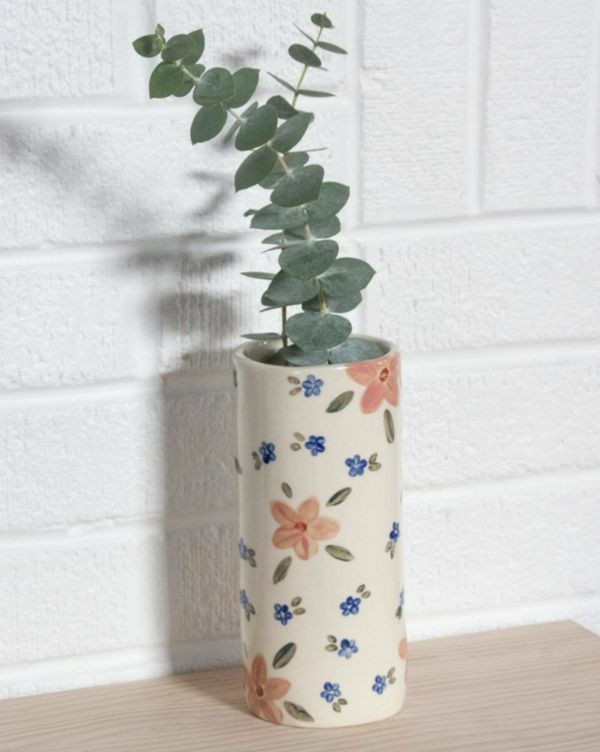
[[303, 206]]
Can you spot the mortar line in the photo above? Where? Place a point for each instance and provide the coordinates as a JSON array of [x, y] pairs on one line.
[[592, 128]]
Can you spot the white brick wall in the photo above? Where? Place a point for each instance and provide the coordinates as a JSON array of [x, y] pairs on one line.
[[469, 132]]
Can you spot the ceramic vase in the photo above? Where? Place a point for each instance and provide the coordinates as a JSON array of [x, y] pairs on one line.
[[323, 634]]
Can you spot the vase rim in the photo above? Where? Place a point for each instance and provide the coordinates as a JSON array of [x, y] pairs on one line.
[[243, 354]]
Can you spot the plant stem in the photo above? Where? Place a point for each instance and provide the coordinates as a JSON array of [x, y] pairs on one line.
[[305, 69]]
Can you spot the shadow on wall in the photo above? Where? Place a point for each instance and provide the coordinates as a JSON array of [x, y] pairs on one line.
[[200, 564]]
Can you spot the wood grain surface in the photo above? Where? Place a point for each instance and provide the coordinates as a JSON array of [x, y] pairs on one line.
[[526, 688]]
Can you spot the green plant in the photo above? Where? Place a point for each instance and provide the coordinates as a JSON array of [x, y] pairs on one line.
[[303, 206]]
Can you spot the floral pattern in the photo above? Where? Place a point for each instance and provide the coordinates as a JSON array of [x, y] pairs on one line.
[[350, 606], [393, 537], [246, 553], [262, 691], [347, 648], [380, 684], [380, 377], [331, 691], [312, 386], [400, 607], [301, 529], [282, 613], [267, 452], [356, 465], [316, 445], [247, 607]]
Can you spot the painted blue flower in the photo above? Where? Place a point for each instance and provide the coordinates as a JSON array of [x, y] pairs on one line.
[[243, 550], [350, 606], [347, 648], [267, 452], [380, 684], [282, 613], [316, 444], [331, 691], [244, 598], [356, 465], [312, 386], [402, 597], [395, 532]]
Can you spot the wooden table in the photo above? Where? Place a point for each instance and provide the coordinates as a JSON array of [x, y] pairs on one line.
[[528, 688]]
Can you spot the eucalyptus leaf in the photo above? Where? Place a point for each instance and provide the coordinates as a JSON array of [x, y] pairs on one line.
[[300, 187], [245, 81], [277, 238], [215, 86], [335, 305], [313, 93], [282, 82], [272, 217], [301, 54], [165, 80], [147, 46], [257, 129], [262, 336], [355, 349], [185, 47], [185, 88], [319, 228], [308, 36], [308, 259], [197, 38], [289, 133], [346, 275], [255, 167], [258, 275], [237, 123], [287, 290], [315, 331], [321, 19], [339, 552], [293, 160], [283, 107], [208, 123], [331, 48], [296, 357], [332, 199], [284, 655]]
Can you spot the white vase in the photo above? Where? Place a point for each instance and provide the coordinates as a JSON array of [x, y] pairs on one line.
[[321, 593]]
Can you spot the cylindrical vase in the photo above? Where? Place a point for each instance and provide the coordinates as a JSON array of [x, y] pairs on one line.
[[321, 595]]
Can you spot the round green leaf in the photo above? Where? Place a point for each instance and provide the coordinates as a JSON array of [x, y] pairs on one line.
[[255, 167], [315, 331], [185, 88], [283, 107], [294, 356], [245, 81], [215, 86], [289, 133], [197, 38], [209, 121], [178, 47], [307, 260], [332, 48], [301, 54], [332, 199], [287, 290], [356, 349], [346, 275], [300, 187], [293, 160], [335, 305], [321, 19], [166, 79], [272, 217], [147, 46], [257, 129]]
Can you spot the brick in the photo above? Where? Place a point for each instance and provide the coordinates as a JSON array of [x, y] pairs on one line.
[[484, 288], [75, 323], [505, 423], [414, 109], [537, 103], [508, 545], [69, 464], [93, 181], [110, 593]]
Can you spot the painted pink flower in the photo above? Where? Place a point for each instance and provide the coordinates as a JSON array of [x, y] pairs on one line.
[[381, 379], [302, 528], [261, 691]]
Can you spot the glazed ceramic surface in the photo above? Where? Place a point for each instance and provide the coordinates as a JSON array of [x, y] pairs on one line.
[[321, 592]]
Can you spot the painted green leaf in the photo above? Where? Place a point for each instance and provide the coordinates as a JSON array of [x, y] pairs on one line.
[[331, 648], [366, 594], [208, 123], [339, 497], [288, 290], [215, 86], [257, 129], [282, 569], [296, 601], [301, 54], [293, 160], [336, 305], [255, 167], [340, 402], [332, 48], [272, 217], [297, 711], [336, 707], [332, 199], [339, 552], [346, 275], [289, 133], [238, 467], [245, 81], [388, 423], [284, 655], [301, 187], [299, 611], [399, 612], [331, 638], [283, 107], [165, 80], [355, 349], [307, 260], [315, 331], [147, 46], [321, 19], [287, 490]]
